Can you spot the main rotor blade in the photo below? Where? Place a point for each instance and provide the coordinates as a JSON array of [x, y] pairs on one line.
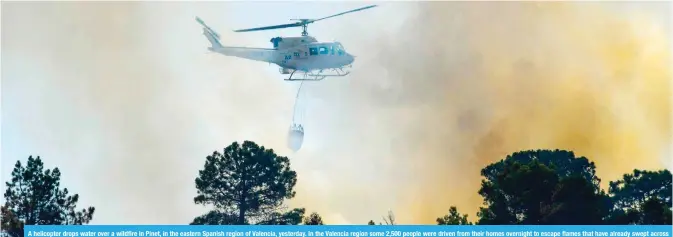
[[301, 21], [271, 27], [355, 10]]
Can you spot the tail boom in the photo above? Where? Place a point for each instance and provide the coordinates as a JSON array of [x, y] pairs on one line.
[[212, 36], [257, 54]]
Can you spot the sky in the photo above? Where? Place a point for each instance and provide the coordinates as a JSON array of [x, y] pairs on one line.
[[126, 100]]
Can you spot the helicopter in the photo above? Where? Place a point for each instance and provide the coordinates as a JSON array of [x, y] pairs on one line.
[[303, 54]]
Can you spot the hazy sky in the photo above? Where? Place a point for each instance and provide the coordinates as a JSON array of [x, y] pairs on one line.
[[125, 99]]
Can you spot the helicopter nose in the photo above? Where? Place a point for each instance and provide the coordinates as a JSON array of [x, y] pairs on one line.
[[350, 58]]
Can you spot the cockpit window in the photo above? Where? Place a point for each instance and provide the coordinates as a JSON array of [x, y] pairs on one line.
[[337, 47]]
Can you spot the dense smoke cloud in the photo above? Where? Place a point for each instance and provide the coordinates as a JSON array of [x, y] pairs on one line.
[[126, 101], [125, 95], [467, 83]]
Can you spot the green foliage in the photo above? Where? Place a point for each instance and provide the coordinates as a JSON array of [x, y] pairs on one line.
[[453, 218], [292, 217], [215, 217], [575, 202], [247, 181], [636, 188], [643, 198], [654, 212], [515, 194], [542, 187], [563, 163], [313, 219], [247, 184], [33, 197]]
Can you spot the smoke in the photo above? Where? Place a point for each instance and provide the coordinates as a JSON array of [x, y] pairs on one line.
[[124, 99], [462, 85], [127, 106]]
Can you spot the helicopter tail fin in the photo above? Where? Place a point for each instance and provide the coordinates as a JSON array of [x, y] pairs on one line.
[[210, 34]]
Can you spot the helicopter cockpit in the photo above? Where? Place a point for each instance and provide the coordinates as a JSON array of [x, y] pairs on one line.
[[338, 48], [334, 48]]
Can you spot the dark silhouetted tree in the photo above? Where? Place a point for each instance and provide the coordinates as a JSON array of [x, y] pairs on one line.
[[655, 212], [514, 195], [313, 219], [642, 197], [576, 202], [215, 217], [636, 188], [33, 197], [371, 222], [453, 218], [564, 163], [522, 189], [249, 182], [389, 219], [292, 217], [542, 187]]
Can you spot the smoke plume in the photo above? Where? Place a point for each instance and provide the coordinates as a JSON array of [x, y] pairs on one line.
[[126, 101], [462, 85]]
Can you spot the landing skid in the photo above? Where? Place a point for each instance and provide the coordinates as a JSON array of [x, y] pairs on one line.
[[319, 76]]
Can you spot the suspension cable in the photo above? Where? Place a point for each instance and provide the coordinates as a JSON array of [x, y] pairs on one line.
[[296, 99]]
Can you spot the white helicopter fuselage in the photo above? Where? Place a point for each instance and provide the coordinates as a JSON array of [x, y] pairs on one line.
[[314, 56], [290, 53]]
